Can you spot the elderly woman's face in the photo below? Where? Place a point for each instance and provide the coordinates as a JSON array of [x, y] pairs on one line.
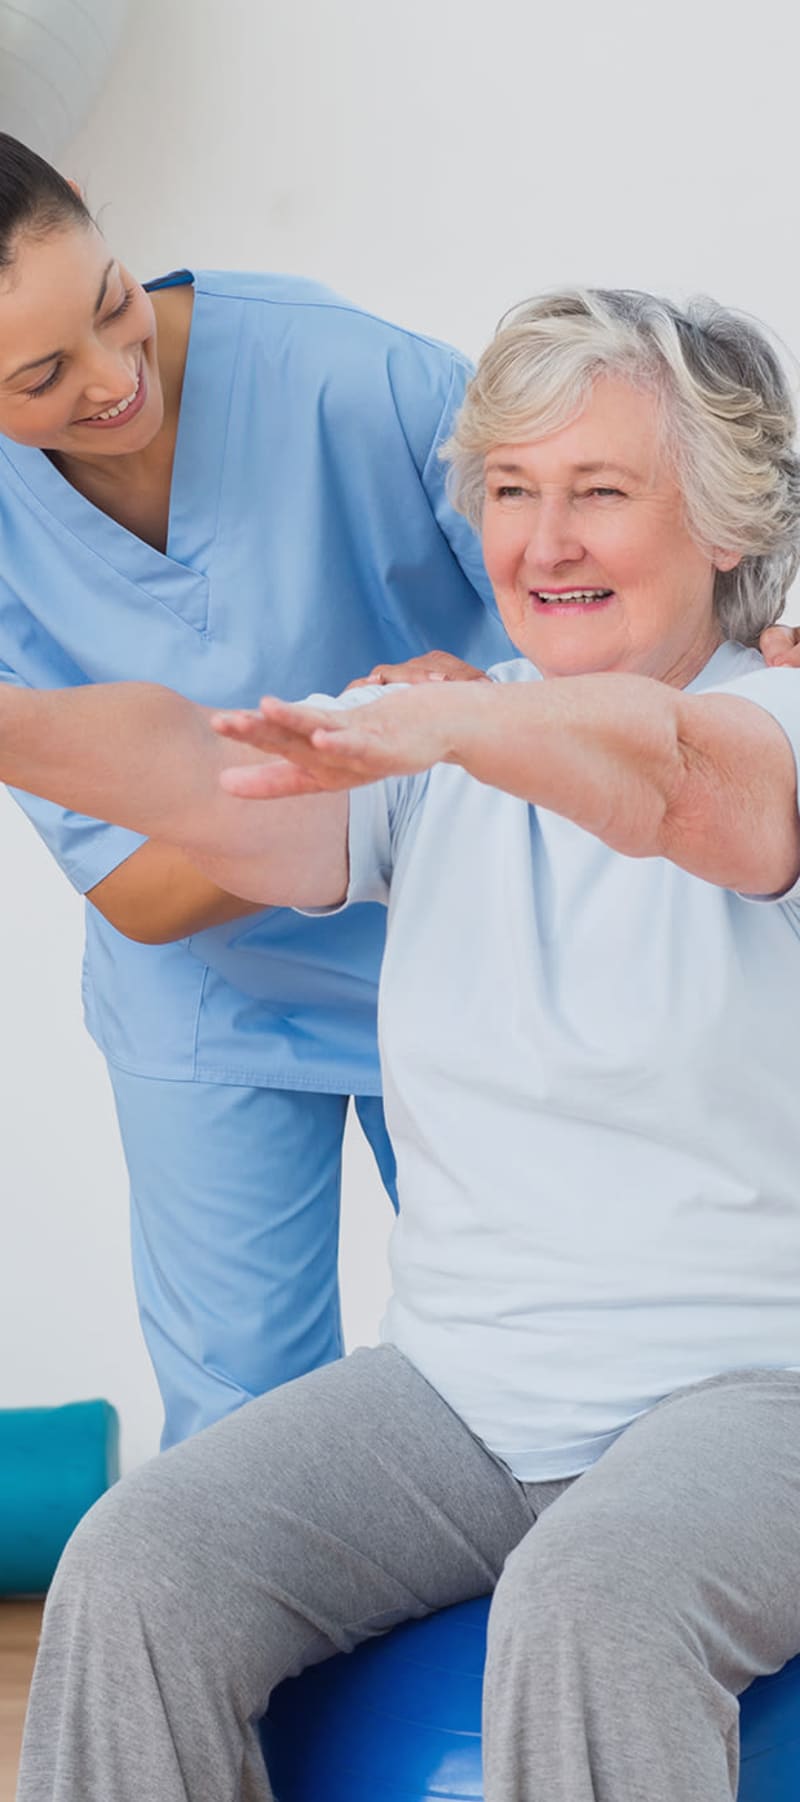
[[588, 551]]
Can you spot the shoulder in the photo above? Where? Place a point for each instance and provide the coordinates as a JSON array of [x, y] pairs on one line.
[[730, 662], [741, 672], [324, 336], [517, 669], [318, 304]]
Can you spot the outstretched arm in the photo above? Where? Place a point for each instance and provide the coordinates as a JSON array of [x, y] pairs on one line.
[[146, 758], [707, 781]]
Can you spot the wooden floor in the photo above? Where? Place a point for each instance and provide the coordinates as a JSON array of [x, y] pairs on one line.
[[19, 1632]]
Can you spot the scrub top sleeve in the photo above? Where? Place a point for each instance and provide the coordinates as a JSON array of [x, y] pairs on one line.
[[461, 537], [777, 691], [85, 849]]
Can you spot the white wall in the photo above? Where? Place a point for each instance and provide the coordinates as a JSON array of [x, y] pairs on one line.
[[437, 160]]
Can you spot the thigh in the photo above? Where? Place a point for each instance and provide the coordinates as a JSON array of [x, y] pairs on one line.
[[317, 1516], [314, 1517], [688, 1526], [235, 1227]]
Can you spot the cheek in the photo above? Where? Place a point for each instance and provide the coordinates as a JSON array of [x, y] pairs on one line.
[[625, 553], [146, 315], [503, 551], [138, 324], [36, 423]]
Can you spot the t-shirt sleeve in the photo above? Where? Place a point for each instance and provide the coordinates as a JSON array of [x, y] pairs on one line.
[[85, 849], [379, 816], [777, 691]]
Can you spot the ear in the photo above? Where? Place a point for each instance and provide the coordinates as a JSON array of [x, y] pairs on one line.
[[76, 188], [726, 560]]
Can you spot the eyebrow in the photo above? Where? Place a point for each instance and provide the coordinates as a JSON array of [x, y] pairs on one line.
[[582, 469], [618, 469], [53, 355]]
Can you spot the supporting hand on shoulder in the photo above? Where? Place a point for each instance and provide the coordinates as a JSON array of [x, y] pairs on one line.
[[781, 645]]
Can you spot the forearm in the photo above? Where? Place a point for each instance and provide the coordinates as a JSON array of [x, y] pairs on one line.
[[603, 751], [158, 895], [705, 780], [144, 757], [132, 753]]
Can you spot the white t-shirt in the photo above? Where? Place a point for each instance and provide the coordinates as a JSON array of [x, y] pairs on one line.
[[590, 1076]]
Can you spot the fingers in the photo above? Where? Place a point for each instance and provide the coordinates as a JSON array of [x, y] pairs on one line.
[[277, 726], [433, 666], [309, 751], [276, 781], [779, 645]]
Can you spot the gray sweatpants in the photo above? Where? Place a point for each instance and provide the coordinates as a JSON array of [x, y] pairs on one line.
[[632, 1604]]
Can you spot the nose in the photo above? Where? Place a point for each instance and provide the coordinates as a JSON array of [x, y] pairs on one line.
[[111, 377], [554, 538]]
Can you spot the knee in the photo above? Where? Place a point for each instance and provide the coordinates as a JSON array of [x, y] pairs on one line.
[[129, 1550]]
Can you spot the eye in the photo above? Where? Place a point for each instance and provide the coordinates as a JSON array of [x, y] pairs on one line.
[[52, 378], [605, 494], [122, 308], [507, 491], [48, 382]]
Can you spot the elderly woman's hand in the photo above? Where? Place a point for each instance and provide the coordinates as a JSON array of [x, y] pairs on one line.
[[315, 750], [434, 666], [781, 644]]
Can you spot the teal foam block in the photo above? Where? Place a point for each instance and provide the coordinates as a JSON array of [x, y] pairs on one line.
[[54, 1463]]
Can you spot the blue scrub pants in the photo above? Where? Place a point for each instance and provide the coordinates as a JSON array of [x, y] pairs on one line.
[[235, 1235]]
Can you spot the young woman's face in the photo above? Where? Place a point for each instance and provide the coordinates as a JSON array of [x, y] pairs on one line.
[[588, 550], [78, 366]]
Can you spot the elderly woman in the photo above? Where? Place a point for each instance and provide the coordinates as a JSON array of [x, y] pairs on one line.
[[588, 1395]]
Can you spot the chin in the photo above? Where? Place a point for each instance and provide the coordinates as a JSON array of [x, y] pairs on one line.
[[577, 662]]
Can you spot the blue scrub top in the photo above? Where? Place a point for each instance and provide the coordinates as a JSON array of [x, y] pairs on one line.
[[309, 538]]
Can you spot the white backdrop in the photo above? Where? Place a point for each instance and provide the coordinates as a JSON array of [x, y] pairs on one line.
[[436, 160]]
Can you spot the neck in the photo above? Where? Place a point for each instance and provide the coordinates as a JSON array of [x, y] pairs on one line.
[[693, 660]]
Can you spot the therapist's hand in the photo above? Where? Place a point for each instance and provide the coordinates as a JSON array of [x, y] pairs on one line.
[[781, 644], [434, 666]]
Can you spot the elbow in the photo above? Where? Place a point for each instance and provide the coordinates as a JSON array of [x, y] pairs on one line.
[[154, 935], [144, 926]]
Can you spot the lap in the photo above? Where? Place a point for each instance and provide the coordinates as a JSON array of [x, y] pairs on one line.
[[319, 1514], [692, 1518]]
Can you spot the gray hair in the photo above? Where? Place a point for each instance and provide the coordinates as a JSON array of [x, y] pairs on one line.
[[724, 403]]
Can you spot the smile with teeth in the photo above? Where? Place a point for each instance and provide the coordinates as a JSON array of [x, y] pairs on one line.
[[121, 406], [555, 596]]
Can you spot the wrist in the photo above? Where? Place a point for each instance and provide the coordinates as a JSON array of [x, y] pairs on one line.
[[470, 710]]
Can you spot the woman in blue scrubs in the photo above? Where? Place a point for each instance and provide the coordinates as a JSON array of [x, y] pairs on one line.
[[229, 484]]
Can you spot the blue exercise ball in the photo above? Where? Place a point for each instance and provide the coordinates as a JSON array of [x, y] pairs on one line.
[[399, 1720]]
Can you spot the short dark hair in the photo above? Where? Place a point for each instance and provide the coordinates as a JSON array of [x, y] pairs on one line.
[[33, 197]]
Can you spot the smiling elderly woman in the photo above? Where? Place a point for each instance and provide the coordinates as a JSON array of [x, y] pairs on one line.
[[588, 1393]]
